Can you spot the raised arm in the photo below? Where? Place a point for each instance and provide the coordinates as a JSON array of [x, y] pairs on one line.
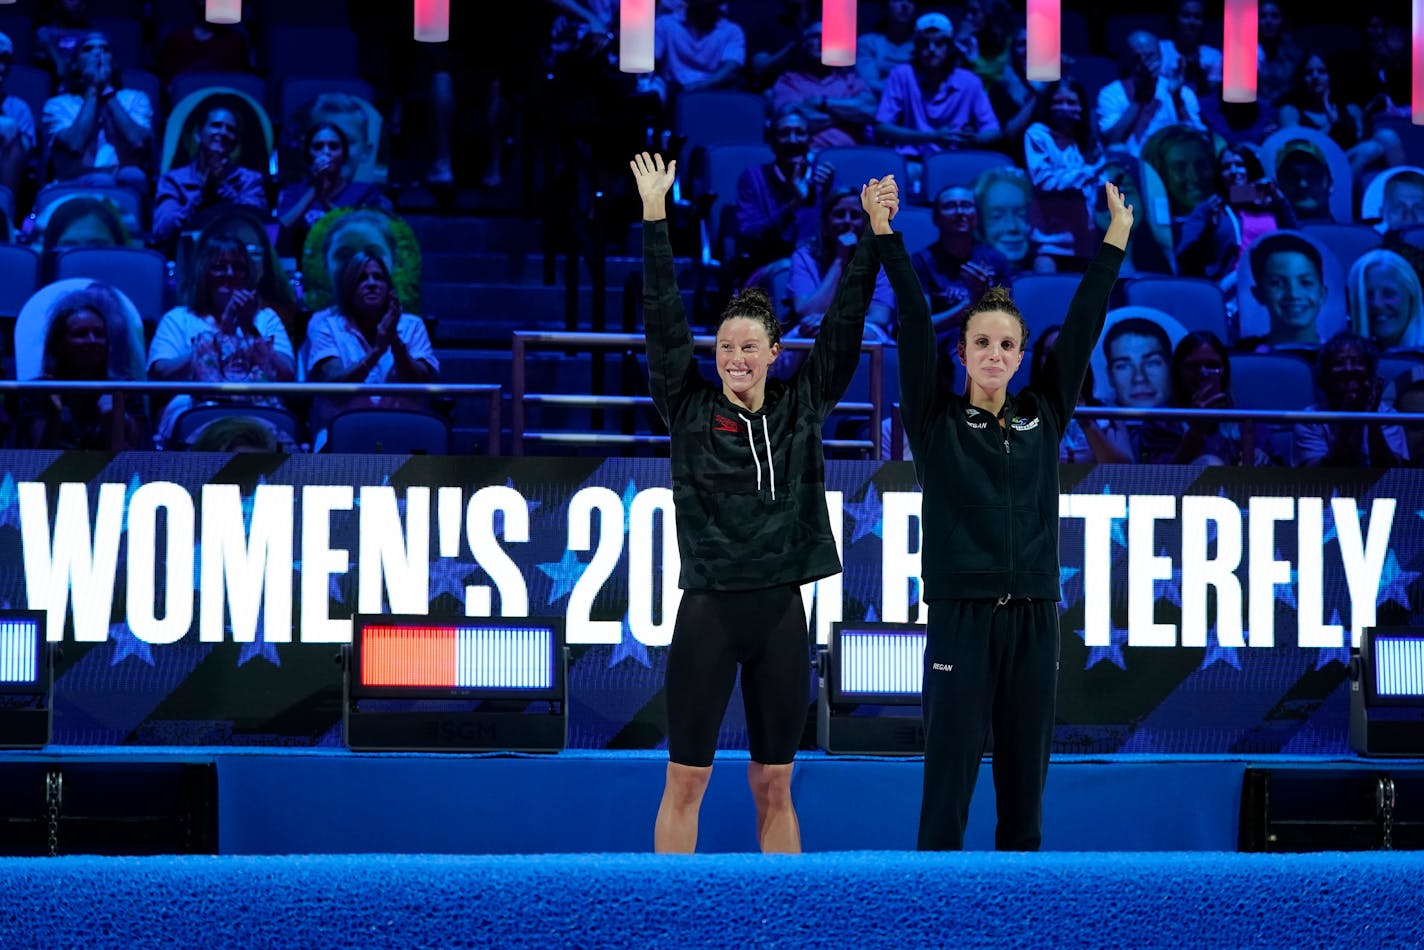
[[671, 362], [836, 353], [1068, 363]]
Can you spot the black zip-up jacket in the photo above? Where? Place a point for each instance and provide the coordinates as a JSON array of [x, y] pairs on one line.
[[749, 487], [989, 504]]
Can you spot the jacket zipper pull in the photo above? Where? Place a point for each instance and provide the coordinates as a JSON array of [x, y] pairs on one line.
[[1006, 446]]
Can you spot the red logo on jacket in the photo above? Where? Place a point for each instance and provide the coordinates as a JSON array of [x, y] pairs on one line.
[[721, 423]]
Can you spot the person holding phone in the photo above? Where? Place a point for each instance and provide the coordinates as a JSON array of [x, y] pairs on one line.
[[1247, 204], [365, 337], [987, 464], [749, 488], [1201, 379]]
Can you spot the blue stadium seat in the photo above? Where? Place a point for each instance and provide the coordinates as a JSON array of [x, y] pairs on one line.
[[857, 164], [380, 429], [1346, 240], [1043, 299], [917, 225], [715, 117], [19, 277], [188, 423], [250, 84], [960, 167], [140, 272], [1197, 303], [717, 183], [1271, 381]]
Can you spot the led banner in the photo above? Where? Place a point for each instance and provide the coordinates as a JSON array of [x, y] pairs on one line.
[[202, 599]]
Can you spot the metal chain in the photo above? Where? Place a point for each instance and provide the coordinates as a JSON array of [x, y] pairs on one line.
[[54, 795], [1384, 803]]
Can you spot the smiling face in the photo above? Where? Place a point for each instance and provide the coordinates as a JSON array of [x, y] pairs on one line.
[[1233, 168], [1005, 217], [1387, 304], [219, 132], [1290, 288], [1139, 371], [744, 354], [991, 351]]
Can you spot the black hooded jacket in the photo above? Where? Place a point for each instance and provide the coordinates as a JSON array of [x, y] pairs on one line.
[[749, 487], [989, 505]]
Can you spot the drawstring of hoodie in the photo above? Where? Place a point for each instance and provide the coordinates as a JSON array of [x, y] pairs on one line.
[[751, 443]]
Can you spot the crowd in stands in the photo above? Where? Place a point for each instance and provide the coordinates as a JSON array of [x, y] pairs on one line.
[[1287, 232]]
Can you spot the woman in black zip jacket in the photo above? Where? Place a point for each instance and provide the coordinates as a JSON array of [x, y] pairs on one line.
[[987, 464], [748, 476]]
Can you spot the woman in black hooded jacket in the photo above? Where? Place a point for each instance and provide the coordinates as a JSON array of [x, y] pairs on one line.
[[748, 475]]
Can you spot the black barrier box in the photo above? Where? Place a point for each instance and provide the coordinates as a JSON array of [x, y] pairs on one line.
[[1336, 809], [109, 808]]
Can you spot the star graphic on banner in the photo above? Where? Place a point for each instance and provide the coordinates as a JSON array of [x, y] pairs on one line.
[[1112, 653], [1065, 574], [564, 572], [629, 493], [9, 498], [866, 514], [333, 583], [134, 484], [629, 647], [1119, 525], [497, 520], [1285, 593], [1215, 652], [448, 577], [127, 645], [1329, 533], [1328, 655], [1394, 581], [249, 501], [258, 647], [1169, 588]]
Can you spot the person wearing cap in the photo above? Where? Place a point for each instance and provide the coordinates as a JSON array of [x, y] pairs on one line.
[[17, 130], [957, 114], [99, 133], [1304, 175], [1146, 98]]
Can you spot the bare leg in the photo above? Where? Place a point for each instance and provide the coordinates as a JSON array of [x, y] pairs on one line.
[[778, 831], [676, 829]]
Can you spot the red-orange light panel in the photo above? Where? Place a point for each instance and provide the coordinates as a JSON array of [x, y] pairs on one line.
[[459, 657]]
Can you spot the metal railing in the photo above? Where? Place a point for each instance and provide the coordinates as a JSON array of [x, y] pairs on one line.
[[1243, 416], [120, 388], [525, 340]]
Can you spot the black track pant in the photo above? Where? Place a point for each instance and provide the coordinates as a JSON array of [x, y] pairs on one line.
[[765, 632], [988, 665]]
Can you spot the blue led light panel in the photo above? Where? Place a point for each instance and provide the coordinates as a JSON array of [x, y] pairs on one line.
[[19, 652], [881, 664], [1399, 666]]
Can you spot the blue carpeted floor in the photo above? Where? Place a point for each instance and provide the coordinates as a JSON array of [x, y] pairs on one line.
[[845, 901]]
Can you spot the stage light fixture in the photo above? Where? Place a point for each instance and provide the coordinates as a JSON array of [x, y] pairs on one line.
[[870, 680], [1387, 692], [26, 681], [455, 684]]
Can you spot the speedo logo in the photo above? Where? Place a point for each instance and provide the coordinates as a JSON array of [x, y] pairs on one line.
[[942, 667]]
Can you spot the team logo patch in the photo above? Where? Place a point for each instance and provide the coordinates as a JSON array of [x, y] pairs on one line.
[[1020, 424], [721, 423]]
